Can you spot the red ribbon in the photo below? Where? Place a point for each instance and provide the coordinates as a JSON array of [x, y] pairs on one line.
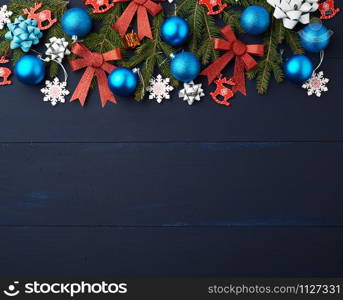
[[95, 63], [234, 48], [141, 7]]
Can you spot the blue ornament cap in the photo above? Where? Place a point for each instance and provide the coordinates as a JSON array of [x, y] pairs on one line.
[[122, 82], [76, 22], [30, 70], [23, 33], [298, 68], [255, 20], [315, 37], [175, 31], [185, 66]]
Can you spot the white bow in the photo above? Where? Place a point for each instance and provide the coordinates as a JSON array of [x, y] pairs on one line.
[[57, 48], [293, 11]]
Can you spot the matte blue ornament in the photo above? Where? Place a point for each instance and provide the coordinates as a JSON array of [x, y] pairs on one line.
[[175, 31], [23, 33], [315, 37], [122, 82], [77, 22], [185, 66], [30, 70], [255, 19], [298, 68]]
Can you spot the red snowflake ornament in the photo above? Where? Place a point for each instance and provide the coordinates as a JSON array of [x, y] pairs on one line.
[[5, 73], [100, 6], [212, 5], [43, 18], [222, 94], [327, 9]]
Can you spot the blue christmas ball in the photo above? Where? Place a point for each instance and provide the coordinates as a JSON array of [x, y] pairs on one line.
[[315, 37], [122, 82], [76, 21], [30, 70], [185, 66], [255, 19], [298, 68], [175, 31]]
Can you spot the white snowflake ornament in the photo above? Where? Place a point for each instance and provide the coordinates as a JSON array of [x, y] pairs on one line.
[[57, 48], [4, 16], [191, 92], [159, 88], [316, 84], [55, 91], [293, 11]]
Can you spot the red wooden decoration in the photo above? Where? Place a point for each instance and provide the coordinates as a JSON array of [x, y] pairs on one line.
[[100, 6], [327, 9], [212, 5], [5, 73], [222, 91], [43, 17]]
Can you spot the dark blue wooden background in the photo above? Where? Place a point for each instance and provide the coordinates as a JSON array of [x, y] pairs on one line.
[[171, 189]]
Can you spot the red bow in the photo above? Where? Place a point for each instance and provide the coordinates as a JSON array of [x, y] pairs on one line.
[[142, 7], [96, 63], [234, 48]]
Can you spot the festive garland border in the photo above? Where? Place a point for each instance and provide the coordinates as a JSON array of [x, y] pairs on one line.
[[153, 53]]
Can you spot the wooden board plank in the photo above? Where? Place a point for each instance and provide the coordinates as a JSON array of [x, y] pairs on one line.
[[172, 184], [149, 252]]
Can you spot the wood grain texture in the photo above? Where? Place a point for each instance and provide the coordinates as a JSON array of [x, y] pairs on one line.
[[154, 252], [172, 184], [172, 190]]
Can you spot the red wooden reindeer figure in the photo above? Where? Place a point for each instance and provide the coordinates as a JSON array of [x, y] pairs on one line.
[[327, 9], [212, 4], [5, 73], [43, 18], [223, 91], [100, 6]]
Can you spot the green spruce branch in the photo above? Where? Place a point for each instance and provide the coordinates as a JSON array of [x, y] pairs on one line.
[[271, 62], [203, 30], [109, 38]]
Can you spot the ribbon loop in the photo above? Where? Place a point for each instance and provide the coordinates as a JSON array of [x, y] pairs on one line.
[[95, 63], [243, 61]]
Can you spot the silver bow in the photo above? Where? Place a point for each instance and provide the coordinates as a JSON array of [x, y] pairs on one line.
[[191, 92], [293, 11], [57, 48]]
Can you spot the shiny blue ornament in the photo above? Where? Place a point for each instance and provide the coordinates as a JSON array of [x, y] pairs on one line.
[[185, 66], [315, 37], [30, 70], [175, 31], [76, 21], [255, 19], [122, 82], [298, 68]]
